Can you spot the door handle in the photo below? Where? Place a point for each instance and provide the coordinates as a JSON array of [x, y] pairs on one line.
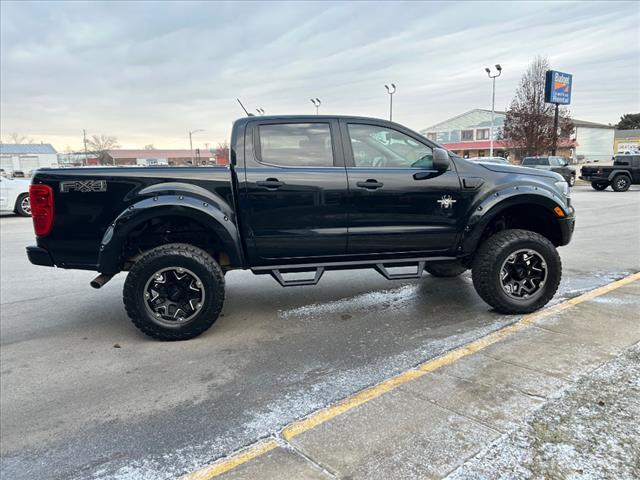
[[270, 183], [370, 184]]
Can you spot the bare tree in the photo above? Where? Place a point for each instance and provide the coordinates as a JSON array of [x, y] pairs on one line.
[[100, 145], [17, 138], [149, 147], [222, 153], [528, 126]]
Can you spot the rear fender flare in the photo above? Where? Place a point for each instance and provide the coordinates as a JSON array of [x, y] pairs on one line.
[[210, 215], [487, 209]]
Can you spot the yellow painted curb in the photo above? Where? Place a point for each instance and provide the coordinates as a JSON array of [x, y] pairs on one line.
[[300, 426], [229, 463]]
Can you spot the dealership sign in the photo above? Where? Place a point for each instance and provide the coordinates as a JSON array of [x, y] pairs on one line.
[[557, 87]]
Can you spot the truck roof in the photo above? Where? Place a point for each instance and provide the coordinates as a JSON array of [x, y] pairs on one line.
[[309, 117]]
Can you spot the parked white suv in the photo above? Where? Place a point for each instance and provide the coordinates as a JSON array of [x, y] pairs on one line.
[[14, 196]]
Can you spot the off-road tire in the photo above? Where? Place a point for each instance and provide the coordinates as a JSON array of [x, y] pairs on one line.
[[621, 183], [572, 180], [19, 209], [174, 255], [445, 269], [599, 186], [491, 255]]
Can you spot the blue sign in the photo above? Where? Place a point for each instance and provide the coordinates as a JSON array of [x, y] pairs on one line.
[[557, 87]]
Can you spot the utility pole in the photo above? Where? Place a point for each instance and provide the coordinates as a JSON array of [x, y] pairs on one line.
[[316, 103], [391, 91], [493, 103], [191, 132], [84, 139], [555, 131]]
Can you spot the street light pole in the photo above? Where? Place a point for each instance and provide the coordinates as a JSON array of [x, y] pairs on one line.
[[191, 132], [391, 91], [493, 103], [84, 139], [316, 103]]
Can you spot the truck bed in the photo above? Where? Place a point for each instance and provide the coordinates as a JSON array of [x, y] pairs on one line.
[[88, 200]]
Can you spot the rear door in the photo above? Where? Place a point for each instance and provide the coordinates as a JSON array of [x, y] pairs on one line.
[[294, 191], [397, 202], [4, 200]]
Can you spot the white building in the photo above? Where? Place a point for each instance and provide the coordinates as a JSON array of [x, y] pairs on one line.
[[468, 135], [27, 157]]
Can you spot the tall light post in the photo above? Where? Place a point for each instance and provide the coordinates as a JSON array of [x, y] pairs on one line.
[[493, 102], [391, 90], [191, 132], [316, 103]]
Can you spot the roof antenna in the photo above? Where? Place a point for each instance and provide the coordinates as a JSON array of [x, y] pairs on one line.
[[245, 110]]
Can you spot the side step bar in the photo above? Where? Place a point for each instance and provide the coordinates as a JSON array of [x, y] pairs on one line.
[[277, 275], [316, 271]]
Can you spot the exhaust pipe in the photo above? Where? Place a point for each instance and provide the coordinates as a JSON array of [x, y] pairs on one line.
[[100, 280]]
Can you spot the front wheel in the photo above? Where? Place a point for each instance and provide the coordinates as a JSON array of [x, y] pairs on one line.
[[572, 180], [174, 292], [516, 271], [620, 183], [599, 186]]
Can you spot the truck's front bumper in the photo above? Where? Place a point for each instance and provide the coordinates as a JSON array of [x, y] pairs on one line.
[[39, 256], [567, 225]]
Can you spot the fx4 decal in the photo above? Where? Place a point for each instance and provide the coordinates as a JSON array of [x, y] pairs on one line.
[[84, 186]]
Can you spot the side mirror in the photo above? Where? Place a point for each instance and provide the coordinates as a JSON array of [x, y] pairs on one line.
[[440, 159]]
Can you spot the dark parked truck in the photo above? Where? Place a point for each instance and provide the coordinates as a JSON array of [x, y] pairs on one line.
[[554, 164], [624, 172], [303, 195]]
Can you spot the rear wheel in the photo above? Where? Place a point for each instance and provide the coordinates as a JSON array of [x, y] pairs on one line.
[[572, 180], [445, 269], [516, 271], [174, 292], [599, 186], [23, 205], [620, 183]]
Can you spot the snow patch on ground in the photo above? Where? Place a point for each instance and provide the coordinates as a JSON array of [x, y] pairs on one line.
[[391, 298], [590, 432]]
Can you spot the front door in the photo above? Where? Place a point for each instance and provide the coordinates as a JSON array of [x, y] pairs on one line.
[[295, 190], [398, 203]]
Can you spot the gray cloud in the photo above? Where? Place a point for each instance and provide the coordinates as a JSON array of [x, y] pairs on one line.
[[147, 72]]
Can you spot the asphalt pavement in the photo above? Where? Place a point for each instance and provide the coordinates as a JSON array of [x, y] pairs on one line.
[[85, 395]]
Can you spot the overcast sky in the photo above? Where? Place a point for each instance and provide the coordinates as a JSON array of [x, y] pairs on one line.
[[148, 72]]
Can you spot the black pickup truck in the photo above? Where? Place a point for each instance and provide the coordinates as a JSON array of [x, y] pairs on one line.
[[303, 195], [624, 172]]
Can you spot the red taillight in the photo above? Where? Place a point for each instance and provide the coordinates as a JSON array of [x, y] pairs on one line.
[[41, 198]]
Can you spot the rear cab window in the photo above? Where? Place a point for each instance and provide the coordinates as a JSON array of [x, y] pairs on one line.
[[535, 161], [295, 145]]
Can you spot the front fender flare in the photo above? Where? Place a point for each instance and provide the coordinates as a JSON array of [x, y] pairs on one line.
[[489, 207], [618, 172], [207, 214]]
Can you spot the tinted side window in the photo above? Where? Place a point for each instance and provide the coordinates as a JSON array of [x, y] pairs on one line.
[[296, 144], [622, 160], [385, 148]]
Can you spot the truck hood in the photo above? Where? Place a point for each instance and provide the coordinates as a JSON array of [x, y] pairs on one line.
[[496, 167]]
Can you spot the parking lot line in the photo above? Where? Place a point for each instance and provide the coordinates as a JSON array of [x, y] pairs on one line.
[[318, 417]]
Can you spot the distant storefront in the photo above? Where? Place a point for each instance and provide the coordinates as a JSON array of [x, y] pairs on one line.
[[468, 135], [156, 157], [26, 157], [627, 141]]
